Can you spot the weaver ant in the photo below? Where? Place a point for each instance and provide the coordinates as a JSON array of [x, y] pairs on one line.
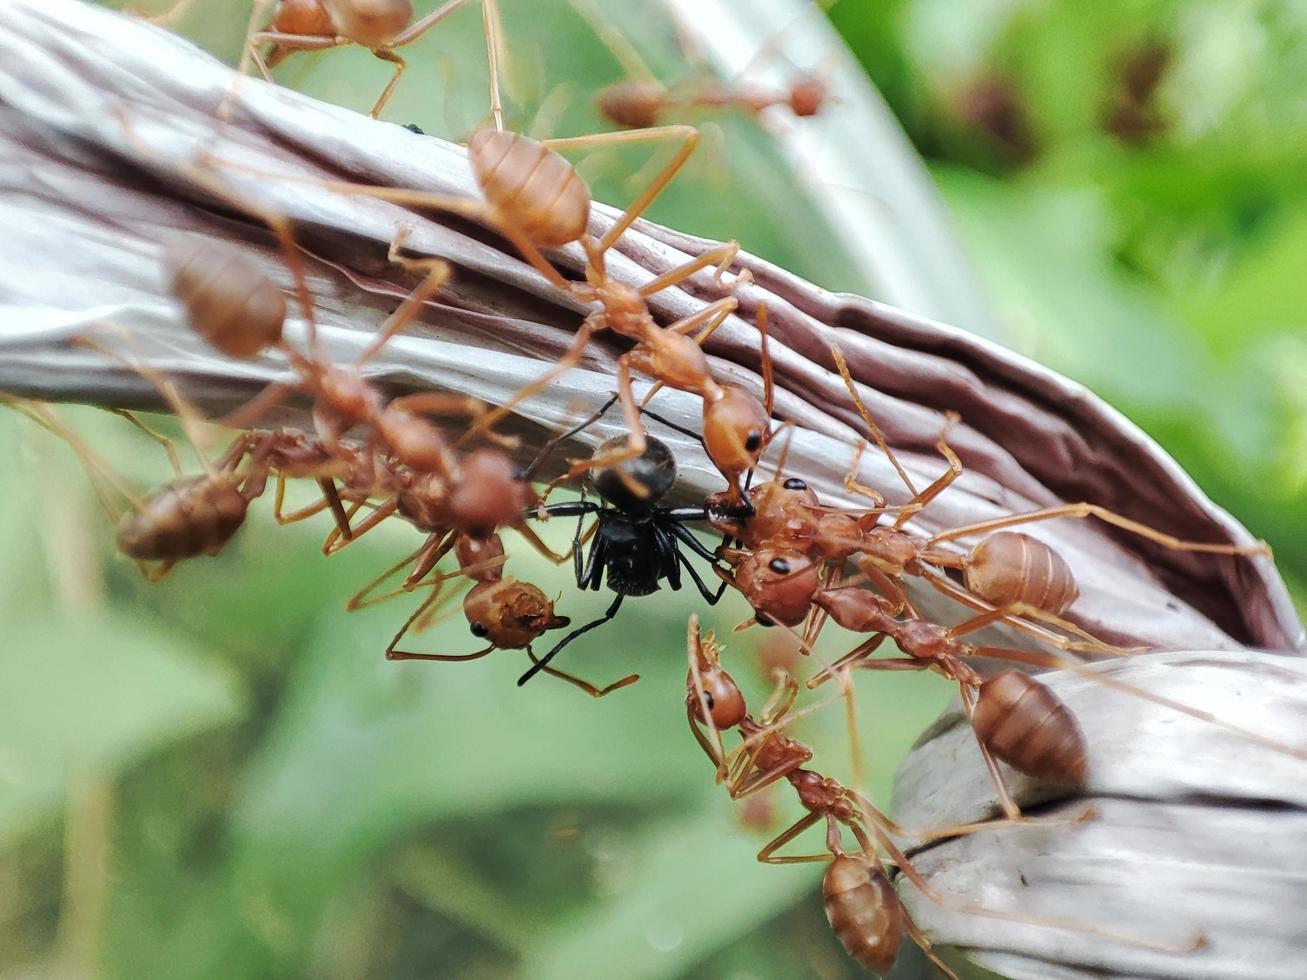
[[862, 907], [640, 100], [1015, 717], [381, 26]]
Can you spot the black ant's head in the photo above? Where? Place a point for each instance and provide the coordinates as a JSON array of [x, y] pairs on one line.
[[637, 483]]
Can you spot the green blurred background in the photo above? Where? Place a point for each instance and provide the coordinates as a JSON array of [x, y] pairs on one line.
[[219, 776]]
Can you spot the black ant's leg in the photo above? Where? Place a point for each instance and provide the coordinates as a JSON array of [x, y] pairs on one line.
[[673, 426], [712, 598], [553, 443], [684, 535], [540, 664], [694, 544], [573, 508], [592, 577], [668, 554]]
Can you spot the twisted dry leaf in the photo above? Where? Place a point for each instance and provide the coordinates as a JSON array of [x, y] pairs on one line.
[[1198, 830], [100, 114]]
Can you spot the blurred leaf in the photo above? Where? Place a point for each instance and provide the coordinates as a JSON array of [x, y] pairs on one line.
[[93, 695]]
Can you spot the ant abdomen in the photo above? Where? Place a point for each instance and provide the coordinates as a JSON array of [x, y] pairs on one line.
[[634, 104], [229, 301], [303, 17], [1009, 569], [182, 519], [1026, 725], [864, 911], [371, 23], [548, 201]]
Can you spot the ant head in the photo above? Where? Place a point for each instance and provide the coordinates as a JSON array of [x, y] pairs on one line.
[[721, 695], [653, 471], [779, 583], [509, 614], [736, 430]]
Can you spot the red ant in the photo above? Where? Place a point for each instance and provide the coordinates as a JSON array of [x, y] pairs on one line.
[[537, 200], [641, 100], [509, 613], [861, 905], [381, 26]]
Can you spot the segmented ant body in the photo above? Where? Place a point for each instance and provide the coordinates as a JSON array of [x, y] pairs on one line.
[[509, 613], [1015, 717], [636, 545], [642, 103], [381, 26], [862, 907]]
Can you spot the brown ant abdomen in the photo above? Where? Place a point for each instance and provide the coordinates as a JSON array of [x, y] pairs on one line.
[[371, 23], [1026, 725], [864, 911], [307, 18], [546, 199], [634, 104], [182, 519], [228, 300], [1009, 569]]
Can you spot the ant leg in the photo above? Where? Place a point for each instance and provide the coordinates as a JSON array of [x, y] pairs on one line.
[[590, 689], [336, 540], [364, 598], [1015, 616], [570, 358], [712, 598], [493, 35], [395, 654], [941, 483], [169, 449], [857, 657], [102, 476], [689, 139], [927, 949], [1082, 670], [768, 853], [280, 515], [543, 662], [385, 54], [539, 546], [1083, 510], [438, 273], [1005, 800], [842, 366], [909, 871], [721, 257], [1012, 615], [562, 437], [428, 557]]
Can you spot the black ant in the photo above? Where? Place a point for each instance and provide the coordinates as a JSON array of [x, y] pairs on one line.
[[636, 543]]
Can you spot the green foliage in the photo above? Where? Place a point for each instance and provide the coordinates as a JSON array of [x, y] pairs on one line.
[[219, 776]]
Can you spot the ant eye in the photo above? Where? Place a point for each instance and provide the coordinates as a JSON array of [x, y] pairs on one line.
[[707, 700], [519, 474], [479, 629], [754, 442], [779, 565], [794, 483]]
